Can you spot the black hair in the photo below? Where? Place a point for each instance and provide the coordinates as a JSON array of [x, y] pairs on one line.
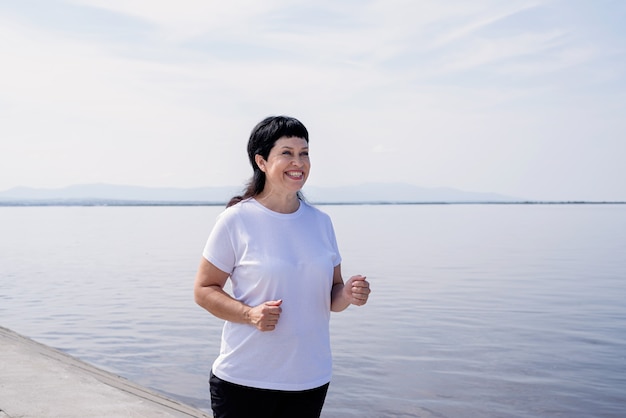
[[262, 140]]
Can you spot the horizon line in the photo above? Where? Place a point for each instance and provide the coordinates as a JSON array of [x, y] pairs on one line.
[[130, 203]]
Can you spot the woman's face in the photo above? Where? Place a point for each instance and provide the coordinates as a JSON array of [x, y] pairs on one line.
[[287, 166]]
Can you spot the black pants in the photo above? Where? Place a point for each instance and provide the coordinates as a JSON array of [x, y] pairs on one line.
[[229, 400]]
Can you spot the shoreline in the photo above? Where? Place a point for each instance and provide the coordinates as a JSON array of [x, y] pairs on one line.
[[39, 381], [138, 203]]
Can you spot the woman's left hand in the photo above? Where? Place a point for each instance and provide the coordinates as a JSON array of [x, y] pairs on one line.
[[357, 288]]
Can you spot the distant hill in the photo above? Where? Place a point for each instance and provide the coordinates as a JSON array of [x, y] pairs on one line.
[[398, 193], [119, 193], [107, 194]]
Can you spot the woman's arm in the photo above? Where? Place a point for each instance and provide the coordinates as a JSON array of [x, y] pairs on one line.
[[354, 292], [209, 293]]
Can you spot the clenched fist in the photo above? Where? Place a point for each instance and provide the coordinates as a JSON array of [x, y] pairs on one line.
[[265, 316]]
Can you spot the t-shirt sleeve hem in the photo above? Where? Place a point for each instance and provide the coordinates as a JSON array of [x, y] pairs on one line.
[[225, 268]]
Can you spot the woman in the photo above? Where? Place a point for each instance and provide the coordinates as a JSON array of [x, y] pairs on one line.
[[282, 258]]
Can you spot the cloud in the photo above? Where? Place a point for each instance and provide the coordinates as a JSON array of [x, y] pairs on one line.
[[413, 90], [383, 149], [188, 19]]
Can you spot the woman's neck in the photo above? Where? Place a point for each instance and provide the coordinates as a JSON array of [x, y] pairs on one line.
[[287, 203]]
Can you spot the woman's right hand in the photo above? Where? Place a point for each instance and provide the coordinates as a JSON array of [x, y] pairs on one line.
[[265, 316]]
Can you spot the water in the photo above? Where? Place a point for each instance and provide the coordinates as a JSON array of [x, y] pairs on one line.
[[477, 310]]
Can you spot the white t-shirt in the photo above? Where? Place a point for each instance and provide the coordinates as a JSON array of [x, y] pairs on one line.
[[272, 256]]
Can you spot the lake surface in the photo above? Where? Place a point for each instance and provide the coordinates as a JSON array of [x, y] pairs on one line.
[[476, 310]]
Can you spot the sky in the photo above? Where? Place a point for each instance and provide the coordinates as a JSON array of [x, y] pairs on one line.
[[525, 98]]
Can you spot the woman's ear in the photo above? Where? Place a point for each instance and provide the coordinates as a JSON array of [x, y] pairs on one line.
[[260, 161]]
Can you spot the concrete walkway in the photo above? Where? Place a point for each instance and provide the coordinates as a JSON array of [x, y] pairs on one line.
[[37, 381]]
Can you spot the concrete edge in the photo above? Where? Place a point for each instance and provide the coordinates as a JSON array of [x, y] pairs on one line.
[[105, 377]]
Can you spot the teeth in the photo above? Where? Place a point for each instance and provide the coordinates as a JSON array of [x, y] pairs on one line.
[[295, 174]]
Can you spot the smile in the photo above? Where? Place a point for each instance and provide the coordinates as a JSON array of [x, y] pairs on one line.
[[295, 174]]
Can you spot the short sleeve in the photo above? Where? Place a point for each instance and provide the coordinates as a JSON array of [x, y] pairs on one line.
[[333, 240], [219, 249]]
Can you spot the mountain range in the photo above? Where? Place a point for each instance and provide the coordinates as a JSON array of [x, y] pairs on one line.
[[92, 194]]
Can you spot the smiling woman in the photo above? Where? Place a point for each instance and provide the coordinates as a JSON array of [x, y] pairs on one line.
[[283, 261], [260, 145], [286, 170]]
